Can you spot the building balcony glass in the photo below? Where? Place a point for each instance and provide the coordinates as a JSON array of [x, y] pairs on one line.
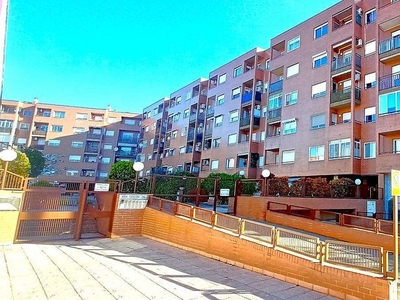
[[389, 81], [276, 86], [274, 113], [344, 63], [343, 97], [389, 48], [39, 132]]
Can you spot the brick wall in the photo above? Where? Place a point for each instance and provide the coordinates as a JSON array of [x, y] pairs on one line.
[[8, 224], [234, 250], [127, 222]]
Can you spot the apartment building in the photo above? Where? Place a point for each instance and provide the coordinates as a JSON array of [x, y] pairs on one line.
[[78, 143], [321, 101]]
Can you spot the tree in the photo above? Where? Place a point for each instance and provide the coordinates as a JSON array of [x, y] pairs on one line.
[[20, 165], [122, 170], [36, 160]]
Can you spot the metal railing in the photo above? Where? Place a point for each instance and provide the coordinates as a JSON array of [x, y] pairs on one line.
[[389, 81], [12, 181], [389, 44], [276, 86], [338, 254], [383, 3]]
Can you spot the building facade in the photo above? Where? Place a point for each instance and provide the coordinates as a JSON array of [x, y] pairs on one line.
[[321, 101], [78, 143]]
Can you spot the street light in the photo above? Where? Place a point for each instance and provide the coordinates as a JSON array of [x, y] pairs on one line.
[[137, 166], [265, 174], [6, 155], [358, 182]]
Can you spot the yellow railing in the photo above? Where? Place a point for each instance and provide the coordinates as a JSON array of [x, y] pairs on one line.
[[11, 180]]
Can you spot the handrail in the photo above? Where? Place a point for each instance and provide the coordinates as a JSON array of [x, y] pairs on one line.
[[338, 254]]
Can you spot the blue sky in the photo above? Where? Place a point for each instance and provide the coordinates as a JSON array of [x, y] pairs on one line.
[[129, 53]]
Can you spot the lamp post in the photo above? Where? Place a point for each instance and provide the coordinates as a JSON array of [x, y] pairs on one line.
[[357, 182], [6, 155], [265, 174], [137, 166]]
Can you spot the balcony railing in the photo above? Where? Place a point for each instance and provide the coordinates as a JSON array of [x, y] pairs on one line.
[[126, 141], [125, 153], [39, 132], [210, 111], [247, 97], [192, 117], [244, 122], [5, 129], [275, 113], [345, 62], [276, 86], [345, 94], [93, 136], [38, 147], [389, 81], [383, 3], [389, 45], [208, 132], [91, 150]]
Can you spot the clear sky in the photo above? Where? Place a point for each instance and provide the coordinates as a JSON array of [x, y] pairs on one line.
[[130, 53]]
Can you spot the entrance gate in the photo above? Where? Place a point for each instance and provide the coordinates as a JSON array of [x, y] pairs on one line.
[[65, 210]]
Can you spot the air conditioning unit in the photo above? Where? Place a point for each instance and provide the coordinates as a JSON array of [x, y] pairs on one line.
[[203, 106], [257, 106], [359, 43], [359, 11], [357, 77]]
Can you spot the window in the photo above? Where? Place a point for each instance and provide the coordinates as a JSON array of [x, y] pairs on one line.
[[74, 158], [216, 142], [369, 150], [321, 31], [171, 152], [232, 139], [396, 146], [222, 78], [370, 80], [370, 114], [267, 64], [184, 131], [105, 160], [174, 134], [357, 148], [128, 121], [21, 141], [288, 156], [186, 113], [370, 16], [294, 44], [289, 126], [146, 129], [5, 138], [291, 98], [339, 148], [56, 128], [77, 144], [218, 120], [81, 116], [176, 117], [182, 150], [262, 137], [72, 173], [275, 101], [237, 71], [59, 114], [234, 116], [318, 90], [106, 146], [346, 117], [220, 99], [292, 70], [264, 111], [316, 153], [370, 47], [103, 174], [6, 124], [24, 126], [151, 141], [112, 120], [144, 144], [230, 163], [389, 103], [27, 113], [178, 100], [261, 162], [214, 165], [76, 130], [318, 121], [110, 133], [320, 60], [54, 143], [236, 93]]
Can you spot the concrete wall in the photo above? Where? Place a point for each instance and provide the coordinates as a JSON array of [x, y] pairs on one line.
[[8, 224]]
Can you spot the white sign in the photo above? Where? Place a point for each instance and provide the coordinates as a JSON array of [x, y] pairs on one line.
[[224, 192], [132, 201], [371, 208], [101, 187]]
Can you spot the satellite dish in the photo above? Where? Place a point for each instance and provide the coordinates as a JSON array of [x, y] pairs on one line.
[[116, 149]]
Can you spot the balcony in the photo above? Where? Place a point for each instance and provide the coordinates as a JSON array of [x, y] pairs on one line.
[[244, 122], [5, 129], [389, 48], [126, 153], [276, 86], [343, 97], [38, 147], [126, 142], [344, 63], [274, 114], [93, 136], [389, 82], [208, 132], [193, 117], [247, 97], [385, 161], [210, 112], [91, 150], [38, 132], [383, 3]]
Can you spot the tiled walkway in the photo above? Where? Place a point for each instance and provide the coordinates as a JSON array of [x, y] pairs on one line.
[[134, 268]]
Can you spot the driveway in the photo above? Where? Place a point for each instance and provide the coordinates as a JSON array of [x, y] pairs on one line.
[[130, 268]]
